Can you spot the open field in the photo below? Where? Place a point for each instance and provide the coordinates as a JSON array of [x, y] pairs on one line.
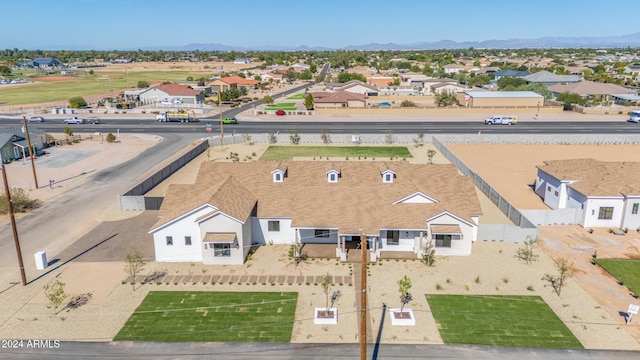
[[173, 316], [625, 270], [520, 321], [290, 152]]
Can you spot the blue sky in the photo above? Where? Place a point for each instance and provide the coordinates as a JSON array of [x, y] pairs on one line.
[[131, 24]]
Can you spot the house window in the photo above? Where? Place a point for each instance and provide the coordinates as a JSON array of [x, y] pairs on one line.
[[443, 241], [278, 177], [169, 240], [555, 193], [332, 177], [605, 213], [393, 237], [274, 225], [388, 178], [321, 233], [221, 250], [548, 188], [187, 240], [634, 209]]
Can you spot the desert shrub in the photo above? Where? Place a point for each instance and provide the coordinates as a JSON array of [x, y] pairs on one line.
[[20, 201]]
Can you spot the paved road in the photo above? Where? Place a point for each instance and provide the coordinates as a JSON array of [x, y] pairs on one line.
[[126, 350], [341, 127], [53, 227]]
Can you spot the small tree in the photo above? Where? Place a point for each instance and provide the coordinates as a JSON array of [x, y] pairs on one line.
[[68, 131], [430, 154], [404, 285], [272, 138], [55, 293], [419, 139], [294, 137], [429, 255], [526, 252], [133, 265], [326, 138], [407, 103], [308, 102], [268, 100], [565, 270], [77, 102], [445, 98], [110, 138], [142, 84], [327, 281]]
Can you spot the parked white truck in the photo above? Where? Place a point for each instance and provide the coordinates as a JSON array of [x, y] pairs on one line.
[[501, 120]]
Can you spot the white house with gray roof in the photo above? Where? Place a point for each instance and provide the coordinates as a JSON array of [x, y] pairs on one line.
[[605, 194], [400, 207]]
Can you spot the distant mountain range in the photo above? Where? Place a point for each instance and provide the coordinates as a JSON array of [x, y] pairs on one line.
[[632, 40]]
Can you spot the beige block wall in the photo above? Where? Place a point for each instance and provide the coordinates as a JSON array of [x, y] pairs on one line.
[[483, 111]]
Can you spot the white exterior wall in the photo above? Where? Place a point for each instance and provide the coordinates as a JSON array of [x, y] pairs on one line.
[[459, 246], [629, 220], [551, 186], [406, 241], [223, 223], [592, 210], [178, 230], [307, 236], [154, 95], [262, 236]]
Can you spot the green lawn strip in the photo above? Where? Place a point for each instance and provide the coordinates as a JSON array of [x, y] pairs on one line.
[[282, 106], [295, 97], [46, 91], [516, 321], [179, 316], [624, 270], [289, 152]]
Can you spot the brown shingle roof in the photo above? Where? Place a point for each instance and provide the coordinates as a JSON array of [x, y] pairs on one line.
[[337, 97], [238, 80], [221, 237], [590, 88], [597, 178], [358, 199]]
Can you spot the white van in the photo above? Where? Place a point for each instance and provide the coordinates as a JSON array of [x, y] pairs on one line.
[[635, 117]]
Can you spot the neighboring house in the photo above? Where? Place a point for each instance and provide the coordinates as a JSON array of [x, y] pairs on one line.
[[447, 87], [400, 207], [509, 73], [242, 61], [233, 82], [358, 87], [185, 93], [606, 194], [14, 145], [340, 99], [452, 68], [504, 99], [593, 90], [42, 63], [547, 78]]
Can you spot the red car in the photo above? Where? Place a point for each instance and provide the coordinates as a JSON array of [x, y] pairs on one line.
[[281, 113]]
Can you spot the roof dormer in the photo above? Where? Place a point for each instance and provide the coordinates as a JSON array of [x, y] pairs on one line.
[[388, 176], [279, 175], [333, 175]]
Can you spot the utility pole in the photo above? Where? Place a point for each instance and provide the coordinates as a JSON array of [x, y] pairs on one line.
[[220, 106], [363, 297], [33, 163], [13, 222]]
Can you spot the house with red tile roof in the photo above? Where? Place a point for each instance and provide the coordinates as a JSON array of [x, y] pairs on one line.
[[169, 92], [400, 207], [233, 82]]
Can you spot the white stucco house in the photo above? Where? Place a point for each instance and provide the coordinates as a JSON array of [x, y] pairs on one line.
[[606, 194], [400, 207]]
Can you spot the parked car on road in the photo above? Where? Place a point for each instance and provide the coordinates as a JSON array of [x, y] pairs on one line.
[[281, 113], [35, 119], [229, 121], [74, 120]]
